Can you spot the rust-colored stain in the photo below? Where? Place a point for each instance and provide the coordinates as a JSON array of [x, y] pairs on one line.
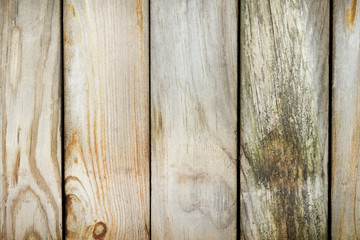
[[67, 40], [70, 7], [16, 168], [350, 14], [139, 15], [74, 144], [139, 23], [67, 34]]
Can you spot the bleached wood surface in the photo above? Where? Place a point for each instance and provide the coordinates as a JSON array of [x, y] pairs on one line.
[[30, 147], [193, 119], [346, 121], [106, 119], [284, 119]]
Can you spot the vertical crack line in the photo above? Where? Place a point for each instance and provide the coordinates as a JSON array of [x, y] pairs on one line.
[[238, 187], [149, 66], [62, 2], [330, 117]]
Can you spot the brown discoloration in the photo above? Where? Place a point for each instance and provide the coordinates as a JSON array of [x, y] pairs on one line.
[[15, 58], [100, 230], [284, 104], [139, 15], [75, 214], [32, 235], [350, 15], [211, 196], [69, 15], [355, 153], [74, 145], [283, 169], [16, 169], [157, 128], [67, 39], [284, 163]]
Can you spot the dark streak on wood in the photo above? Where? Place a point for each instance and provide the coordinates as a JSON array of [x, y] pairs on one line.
[[284, 119]]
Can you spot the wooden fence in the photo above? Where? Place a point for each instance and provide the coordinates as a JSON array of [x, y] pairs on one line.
[[179, 119]]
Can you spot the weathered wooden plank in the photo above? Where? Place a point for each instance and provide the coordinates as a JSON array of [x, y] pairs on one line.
[[346, 121], [30, 77], [106, 119], [193, 119], [284, 119]]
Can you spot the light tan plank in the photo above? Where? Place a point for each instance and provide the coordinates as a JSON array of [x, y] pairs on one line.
[[106, 119], [30, 106], [193, 119], [284, 119], [346, 121]]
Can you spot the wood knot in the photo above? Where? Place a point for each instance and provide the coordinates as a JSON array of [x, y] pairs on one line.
[[99, 230], [210, 195]]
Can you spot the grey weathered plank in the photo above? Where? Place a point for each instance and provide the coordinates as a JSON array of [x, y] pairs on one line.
[[30, 160], [193, 119], [106, 119], [284, 119], [346, 121]]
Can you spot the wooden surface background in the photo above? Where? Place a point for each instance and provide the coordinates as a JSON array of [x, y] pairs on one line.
[[106, 119], [30, 108], [193, 119], [284, 119], [345, 191], [179, 123]]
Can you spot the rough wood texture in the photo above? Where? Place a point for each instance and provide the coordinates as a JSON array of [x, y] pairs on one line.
[[193, 119], [106, 119], [346, 121], [284, 119], [30, 77]]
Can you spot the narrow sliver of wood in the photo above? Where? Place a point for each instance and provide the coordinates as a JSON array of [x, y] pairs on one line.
[[345, 191]]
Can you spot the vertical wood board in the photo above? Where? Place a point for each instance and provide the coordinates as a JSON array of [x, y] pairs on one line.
[[193, 119], [30, 105], [284, 119], [106, 119], [345, 121]]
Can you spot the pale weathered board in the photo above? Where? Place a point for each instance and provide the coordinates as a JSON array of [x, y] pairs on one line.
[[345, 191], [106, 119], [30, 78], [284, 119], [193, 119]]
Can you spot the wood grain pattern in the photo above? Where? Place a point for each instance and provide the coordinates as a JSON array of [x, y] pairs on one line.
[[30, 77], [284, 119], [346, 121], [106, 119], [193, 119]]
